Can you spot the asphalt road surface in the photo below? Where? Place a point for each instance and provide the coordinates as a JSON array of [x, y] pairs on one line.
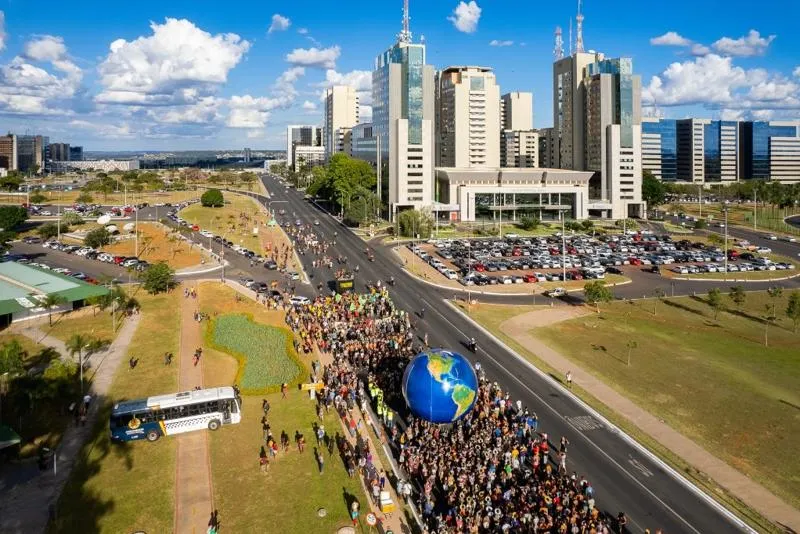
[[624, 479]]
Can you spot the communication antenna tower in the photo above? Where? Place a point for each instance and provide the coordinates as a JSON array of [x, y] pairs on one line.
[[579, 29], [571, 42], [558, 51], [405, 35]]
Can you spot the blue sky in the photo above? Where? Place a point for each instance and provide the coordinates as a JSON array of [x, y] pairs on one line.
[[192, 75]]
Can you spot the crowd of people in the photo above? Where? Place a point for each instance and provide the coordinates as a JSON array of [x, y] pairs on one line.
[[491, 471]]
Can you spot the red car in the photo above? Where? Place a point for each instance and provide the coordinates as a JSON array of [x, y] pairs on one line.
[[479, 267], [634, 261], [119, 259], [530, 278]]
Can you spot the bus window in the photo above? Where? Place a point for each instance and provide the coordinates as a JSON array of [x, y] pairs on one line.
[[235, 406]]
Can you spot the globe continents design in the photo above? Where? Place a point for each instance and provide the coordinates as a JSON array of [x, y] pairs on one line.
[[440, 386]]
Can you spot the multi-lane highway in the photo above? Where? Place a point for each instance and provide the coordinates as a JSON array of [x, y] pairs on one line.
[[624, 477]]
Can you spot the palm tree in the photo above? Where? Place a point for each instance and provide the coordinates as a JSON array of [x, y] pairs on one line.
[[76, 344], [51, 301]]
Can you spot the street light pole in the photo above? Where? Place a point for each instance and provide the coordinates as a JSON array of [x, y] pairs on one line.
[[755, 208], [700, 198], [726, 242], [563, 249]]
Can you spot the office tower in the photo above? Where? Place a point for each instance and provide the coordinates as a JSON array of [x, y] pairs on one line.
[[691, 149], [8, 152], [341, 115], [363, 144], [30, 153], [467, 118], [660, 148], [770, 150], [519, 148], [720, 146], [548, 148], [248, 155], [301, 135], [59, 152], [517, 111], [402, 120], [76, 153], [569, 100], [613, 134]]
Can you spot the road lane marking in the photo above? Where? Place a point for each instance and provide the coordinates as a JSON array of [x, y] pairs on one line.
[[585, 422]]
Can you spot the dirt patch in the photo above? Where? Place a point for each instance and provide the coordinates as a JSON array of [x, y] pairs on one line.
[[158, 243]]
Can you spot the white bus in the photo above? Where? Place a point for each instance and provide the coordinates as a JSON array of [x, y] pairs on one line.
[[166, 415]]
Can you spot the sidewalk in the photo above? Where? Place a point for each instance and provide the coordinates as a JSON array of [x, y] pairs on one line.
[[194, 497], [27, 494], [739, 485], [34, 333]]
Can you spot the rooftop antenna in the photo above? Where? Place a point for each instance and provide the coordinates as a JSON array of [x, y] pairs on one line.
[[405, 35], [579, 29], [558, 51]]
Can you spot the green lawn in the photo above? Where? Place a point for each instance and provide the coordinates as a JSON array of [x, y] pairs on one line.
[[292, 490], [767, 217], [94, 323], [229, 220], [714, 381], [30, 347], [119, 488], [265, 353]]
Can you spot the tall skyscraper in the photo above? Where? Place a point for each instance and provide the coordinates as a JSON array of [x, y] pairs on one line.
[[301, 135], [569, 101], [248, 154], [402, 120], [341, 115], [691, 149], [76, 153], [660, 148], [519, 142], [8, 152], [467, 118]]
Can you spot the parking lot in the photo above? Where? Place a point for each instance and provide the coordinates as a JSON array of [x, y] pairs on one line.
[[515, 260]]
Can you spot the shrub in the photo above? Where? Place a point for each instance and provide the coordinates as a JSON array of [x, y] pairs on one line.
[[212, 199], [97, 238], [266, 355]]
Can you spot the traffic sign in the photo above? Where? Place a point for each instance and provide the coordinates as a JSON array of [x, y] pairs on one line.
[[371, 519]]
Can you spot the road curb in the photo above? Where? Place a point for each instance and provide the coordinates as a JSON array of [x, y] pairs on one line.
[[720, 280], [635, 444], [202, 271]]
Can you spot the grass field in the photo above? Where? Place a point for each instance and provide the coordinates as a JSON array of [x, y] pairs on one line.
[[767, 217], [157, 243], [31, 347], [263, 351], [714, 381], [235, 220], [117, 199], [292, 491], [492, 316], [129, 487], [95, 323]]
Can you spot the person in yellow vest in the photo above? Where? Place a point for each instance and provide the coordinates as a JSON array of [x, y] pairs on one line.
[[390, 419]]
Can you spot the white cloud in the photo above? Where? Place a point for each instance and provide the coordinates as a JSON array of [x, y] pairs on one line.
[[309, 106], [670, 39], [279, 23], [3, 34], [762, 114], [249, 112], [302, 31], [45, 48], [796, 72], [732, 114], [773, 90], [751, 44], [206, 111], [365, 113], [465, 16], [28, 89], [256, 134], [321, 58], [708, 79], [700, 50], [104, 129], [495, 42], [158, 69]]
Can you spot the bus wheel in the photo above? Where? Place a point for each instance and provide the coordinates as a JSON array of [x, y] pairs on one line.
[[213, 424], [152, 436]]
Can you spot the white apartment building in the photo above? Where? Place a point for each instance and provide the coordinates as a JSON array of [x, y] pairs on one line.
[[311, 155], [728, 151], [517, 111], [467, 118], [341, 115], [651, 149], [784, 159], [519, 148]]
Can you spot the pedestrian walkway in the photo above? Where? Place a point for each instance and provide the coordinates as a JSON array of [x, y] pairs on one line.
[[27, 495], [750, 492], [194, 497], [34, 333]]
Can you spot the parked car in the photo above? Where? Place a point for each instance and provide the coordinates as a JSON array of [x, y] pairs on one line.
[[555, 292]]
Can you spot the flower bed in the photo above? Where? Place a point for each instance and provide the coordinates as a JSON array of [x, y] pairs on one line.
[[266, 355]]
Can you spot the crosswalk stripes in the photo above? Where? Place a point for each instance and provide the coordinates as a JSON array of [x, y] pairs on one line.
[[585, 422]]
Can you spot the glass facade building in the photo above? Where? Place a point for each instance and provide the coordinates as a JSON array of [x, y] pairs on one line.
[[712, 151], [755, 147], [622, 70], [666, 129], [411, 57]]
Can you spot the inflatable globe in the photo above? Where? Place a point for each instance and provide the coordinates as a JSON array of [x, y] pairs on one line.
[[440, 386]]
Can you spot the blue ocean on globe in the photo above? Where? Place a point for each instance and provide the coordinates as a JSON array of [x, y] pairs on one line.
[[440, 386]]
